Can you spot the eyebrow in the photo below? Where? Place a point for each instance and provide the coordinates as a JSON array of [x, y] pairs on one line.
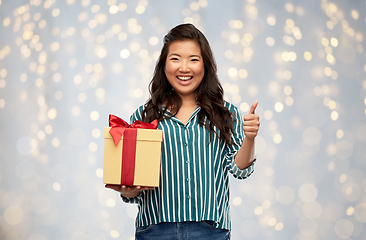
[[175, 54]]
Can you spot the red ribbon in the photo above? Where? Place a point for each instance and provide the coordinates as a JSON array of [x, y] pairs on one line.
[[121, 128]]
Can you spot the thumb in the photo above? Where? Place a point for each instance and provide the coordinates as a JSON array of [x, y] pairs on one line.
[[253, 107]]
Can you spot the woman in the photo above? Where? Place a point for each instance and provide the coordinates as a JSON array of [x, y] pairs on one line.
[[203, 142]]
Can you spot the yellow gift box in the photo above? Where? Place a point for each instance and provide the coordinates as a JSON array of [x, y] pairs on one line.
[[144, 167]]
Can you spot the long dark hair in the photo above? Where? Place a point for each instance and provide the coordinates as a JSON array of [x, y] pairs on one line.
[[209, 92]]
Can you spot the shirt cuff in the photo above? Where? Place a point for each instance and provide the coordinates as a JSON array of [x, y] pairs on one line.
[[242, 173], [131, 200]]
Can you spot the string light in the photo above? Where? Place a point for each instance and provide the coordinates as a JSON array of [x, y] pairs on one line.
[[71, 72]]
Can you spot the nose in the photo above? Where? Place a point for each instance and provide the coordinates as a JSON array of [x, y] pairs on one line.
[[184, 66]]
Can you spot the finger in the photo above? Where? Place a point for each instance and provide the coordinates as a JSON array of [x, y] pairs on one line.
[[253, 107], [111, 186], [250, 129], [251, 117], [251, 135], [251, 124]]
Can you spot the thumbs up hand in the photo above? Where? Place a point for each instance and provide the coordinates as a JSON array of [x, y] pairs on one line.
[[251, 122]]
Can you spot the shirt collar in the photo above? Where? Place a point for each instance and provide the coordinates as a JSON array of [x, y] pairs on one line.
[[170, 115]]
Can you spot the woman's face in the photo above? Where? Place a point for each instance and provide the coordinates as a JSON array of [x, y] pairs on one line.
[[184, 67]]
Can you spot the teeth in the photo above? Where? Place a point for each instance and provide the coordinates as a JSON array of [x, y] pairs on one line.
[[184, 78]]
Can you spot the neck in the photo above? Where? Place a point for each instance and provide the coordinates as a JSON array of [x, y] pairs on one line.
[[188, 99]]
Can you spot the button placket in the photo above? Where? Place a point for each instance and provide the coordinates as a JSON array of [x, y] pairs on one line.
[[187, 161], [186, 136]]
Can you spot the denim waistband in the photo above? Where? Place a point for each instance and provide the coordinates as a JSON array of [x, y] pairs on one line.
[[203, 230]]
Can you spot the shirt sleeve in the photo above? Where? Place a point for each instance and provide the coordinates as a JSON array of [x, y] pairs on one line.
[[134, 117], [137, 115], [231, 150], [136, 199]]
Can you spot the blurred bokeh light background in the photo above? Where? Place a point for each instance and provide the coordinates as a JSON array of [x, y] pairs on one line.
[[66, 64]]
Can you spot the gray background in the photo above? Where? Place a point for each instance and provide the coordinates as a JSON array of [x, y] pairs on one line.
[[66, 64]]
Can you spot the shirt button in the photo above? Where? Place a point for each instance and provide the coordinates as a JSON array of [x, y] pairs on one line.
[[186, 144], [189, 197], [188, 179], [187, 161]]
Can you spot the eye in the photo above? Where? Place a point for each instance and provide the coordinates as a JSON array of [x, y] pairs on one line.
[[174, 59], [195, 59]]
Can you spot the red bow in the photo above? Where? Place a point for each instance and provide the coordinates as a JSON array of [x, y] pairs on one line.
[[118, 127]]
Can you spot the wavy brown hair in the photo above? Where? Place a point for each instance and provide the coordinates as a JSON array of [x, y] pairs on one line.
[[209, 94]]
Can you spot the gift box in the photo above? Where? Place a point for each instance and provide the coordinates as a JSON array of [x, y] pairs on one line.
[[132, 153]]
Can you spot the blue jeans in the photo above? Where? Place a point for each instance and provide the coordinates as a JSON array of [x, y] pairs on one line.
[[182, 231]]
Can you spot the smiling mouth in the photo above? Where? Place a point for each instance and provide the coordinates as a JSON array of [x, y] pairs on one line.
[[184, 78]]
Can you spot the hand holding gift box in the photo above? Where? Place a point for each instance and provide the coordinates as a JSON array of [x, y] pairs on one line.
[[132, 153]]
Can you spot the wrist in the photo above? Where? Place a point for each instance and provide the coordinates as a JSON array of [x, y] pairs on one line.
[[247, 138], [130, 195]]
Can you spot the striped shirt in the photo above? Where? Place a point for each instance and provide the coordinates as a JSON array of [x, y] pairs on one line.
[[194, 181]]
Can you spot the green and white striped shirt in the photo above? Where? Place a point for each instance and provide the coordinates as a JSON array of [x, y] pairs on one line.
[[194, 181]]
